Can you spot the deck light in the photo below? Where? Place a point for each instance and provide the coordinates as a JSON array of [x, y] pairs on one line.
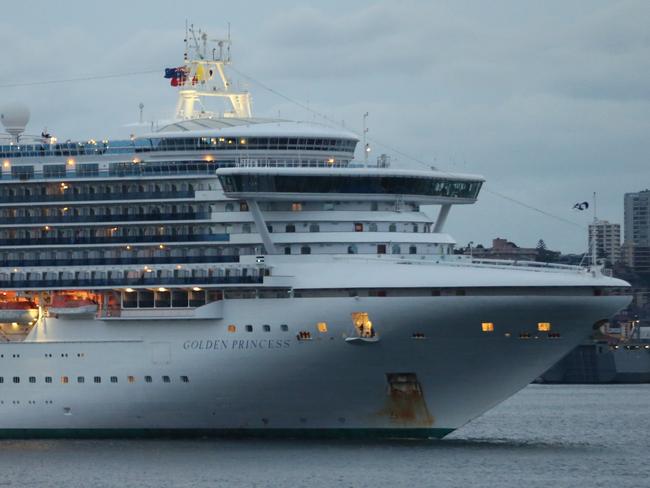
[[196, 288], [6, 163], [70, 162], [129, 290], [162, 289]]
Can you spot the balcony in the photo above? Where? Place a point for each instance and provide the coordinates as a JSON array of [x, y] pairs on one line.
[[74, 219], [124, 282]]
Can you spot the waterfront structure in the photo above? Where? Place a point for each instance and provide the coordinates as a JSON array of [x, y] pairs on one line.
[[637, 231], [606, 240], [229, 274], [504, 249]]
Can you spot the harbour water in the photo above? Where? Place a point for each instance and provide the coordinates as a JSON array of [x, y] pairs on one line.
[[560, 436]]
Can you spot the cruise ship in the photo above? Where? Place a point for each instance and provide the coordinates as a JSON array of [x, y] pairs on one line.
[[234, 275]]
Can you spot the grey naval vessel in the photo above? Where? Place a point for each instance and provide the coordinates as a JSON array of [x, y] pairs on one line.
[[234, 275]]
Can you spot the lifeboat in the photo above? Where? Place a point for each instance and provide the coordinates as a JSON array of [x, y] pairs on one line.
[[20, 312], [71, 306]]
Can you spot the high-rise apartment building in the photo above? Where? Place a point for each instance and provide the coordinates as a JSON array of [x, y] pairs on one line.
[[607, 240], [637, 230]]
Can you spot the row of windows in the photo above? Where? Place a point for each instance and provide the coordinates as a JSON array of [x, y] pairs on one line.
[[252, 143], [95, 379], [249, 328]]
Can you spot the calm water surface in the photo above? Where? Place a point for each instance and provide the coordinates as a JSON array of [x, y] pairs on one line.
[[546, 436]]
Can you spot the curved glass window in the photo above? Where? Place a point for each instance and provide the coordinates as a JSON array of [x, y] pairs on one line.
[[396, 249], [397, 185], [392, 228], [305, 250]]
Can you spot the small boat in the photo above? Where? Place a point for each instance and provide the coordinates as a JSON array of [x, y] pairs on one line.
[[361, 340], [20, 312], [71, 306]]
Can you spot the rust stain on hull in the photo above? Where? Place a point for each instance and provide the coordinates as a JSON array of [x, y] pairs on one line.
[[405, 403]]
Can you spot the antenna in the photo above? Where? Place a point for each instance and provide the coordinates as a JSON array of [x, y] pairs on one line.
[[366, 146], [141, 106], [595, 215]]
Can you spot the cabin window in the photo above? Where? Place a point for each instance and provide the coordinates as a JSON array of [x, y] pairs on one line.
[[372, 227], [413, 249], [322, 327], [243, 207], [396, 249], [358, 227], [232, 328], [249, 328], [97, 379], [381, 248], [305, 250], [113, 379], [266, 328], [314, 228], [32, 379], [284, 327], [287, 250], [166, 379], [487, 327], [185, 379], [64, 380], [290, 228], [544, 326], [80, 379], [2, 379], [296, 207], [352, 249], [48, 379], [131, 379], [16, 379], [229, 207], [148, 379], [392, 228]]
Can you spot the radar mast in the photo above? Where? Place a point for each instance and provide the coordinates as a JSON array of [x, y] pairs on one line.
[[203, 75]]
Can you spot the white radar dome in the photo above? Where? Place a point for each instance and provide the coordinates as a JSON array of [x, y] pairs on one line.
[[14, 116]]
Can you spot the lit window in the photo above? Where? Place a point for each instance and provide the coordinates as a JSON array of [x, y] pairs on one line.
[[544, 326], [131, 379], [296, 207], [322, 327], [232, 328], [148, 379], [64, 380], [487, 327]]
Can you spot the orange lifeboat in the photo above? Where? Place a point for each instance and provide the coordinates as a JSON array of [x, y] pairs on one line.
[[18, 311], [69, 305]]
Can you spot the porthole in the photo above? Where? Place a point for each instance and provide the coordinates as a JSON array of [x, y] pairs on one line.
[[232, 328]]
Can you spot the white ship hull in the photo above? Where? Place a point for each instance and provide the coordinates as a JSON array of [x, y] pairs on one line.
[[271, 383]]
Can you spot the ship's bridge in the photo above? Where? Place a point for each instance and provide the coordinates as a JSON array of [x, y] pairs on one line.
[[423, 187]]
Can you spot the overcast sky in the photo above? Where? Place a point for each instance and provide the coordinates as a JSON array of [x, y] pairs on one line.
[[549, 101]]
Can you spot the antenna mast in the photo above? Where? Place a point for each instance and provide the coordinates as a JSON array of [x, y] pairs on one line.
[[203, 77]]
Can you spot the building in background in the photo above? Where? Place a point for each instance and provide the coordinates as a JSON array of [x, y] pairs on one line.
[[607, 240], [636, 247]]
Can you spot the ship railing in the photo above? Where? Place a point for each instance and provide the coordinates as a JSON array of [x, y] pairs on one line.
[[73, 240], [91, 197], [62, 219], [130, 282], [153, 260]]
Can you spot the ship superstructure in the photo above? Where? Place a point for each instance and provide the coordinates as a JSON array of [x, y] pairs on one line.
[[233, 274]]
